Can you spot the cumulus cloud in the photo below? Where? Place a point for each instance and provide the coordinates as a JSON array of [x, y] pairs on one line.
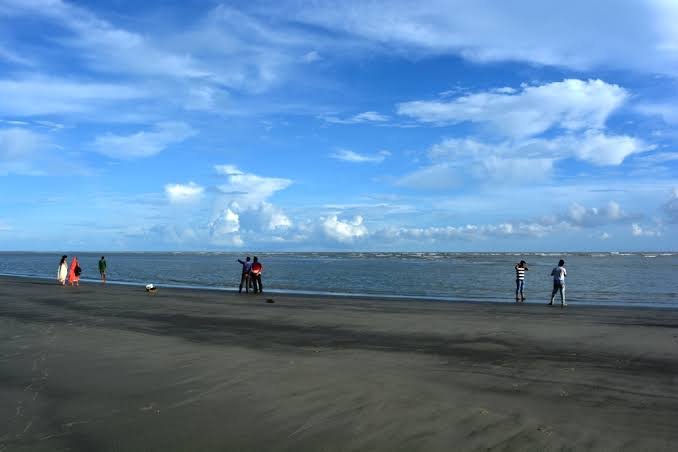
[[344, 231], [183, 193], [144, 143], [264, 217], [224, 229], [347, 155], [571, 105], [645, 231], [243, 208], [579, 215]]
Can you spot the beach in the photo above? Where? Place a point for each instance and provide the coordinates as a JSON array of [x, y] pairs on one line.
[[112, 368]]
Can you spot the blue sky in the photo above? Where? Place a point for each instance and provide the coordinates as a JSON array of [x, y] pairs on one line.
[[450, 126]]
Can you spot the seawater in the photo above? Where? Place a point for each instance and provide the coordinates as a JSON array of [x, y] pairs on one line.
[[641, 279]]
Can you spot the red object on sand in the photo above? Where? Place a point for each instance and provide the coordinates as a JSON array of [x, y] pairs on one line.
[[257, 268]]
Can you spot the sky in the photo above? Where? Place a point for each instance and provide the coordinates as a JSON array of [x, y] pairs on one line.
[[350, 125]]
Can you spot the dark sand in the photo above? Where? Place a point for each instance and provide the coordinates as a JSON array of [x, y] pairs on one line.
[[99, 369]]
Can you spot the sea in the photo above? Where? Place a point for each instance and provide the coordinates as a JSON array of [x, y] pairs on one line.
[[626, 279]]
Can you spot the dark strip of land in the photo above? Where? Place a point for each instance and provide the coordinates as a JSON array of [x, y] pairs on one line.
[[95, 368]]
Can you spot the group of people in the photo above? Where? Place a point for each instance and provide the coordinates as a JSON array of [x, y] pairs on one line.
[[251, 275], [558, 273], [252, 269], [72, 272]]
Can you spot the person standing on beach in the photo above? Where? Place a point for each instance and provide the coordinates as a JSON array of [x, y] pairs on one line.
[[559, 273], [521, 268], [74, 272], [245, 277], [62, 271], [255, 274], [102, 269]]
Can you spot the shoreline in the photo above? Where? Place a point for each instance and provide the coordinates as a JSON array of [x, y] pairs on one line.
[[358, 296], [113, 368]]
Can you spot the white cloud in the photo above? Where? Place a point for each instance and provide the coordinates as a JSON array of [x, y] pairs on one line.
[[370, 116], [571, 105], [527, 31], [600, 149], [360, 118], [344, 231], [645, 231], [144, 143], [225, 228], [471, 231], [458, 161], [311, 57], [263, 217], [184, 193], [467, 161], [347, 155], [107, 47], [248, 188], [40, 95], [222, 48], [579, 215], [243, 210]]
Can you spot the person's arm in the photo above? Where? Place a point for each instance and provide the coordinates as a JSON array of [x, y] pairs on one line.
[[553, 272], [564, 271], [241, 262]]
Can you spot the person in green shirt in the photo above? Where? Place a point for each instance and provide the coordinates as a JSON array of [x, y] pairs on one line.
[[102, 269]]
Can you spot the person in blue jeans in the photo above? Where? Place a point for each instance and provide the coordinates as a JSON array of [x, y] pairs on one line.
[[521, 268], [559, 273], [245, 277]]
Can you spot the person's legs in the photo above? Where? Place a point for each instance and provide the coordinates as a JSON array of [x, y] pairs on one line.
[[562, 295], [244, 280], [522, 286], [261, 289], [554, 292], [517, 288]]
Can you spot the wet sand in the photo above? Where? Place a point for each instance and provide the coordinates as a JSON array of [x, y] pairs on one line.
[[110, 368]]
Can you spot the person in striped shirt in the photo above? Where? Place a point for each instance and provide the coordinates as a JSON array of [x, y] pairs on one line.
[[521, 268]]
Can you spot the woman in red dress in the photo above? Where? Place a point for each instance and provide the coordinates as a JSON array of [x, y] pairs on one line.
[[74, 272]]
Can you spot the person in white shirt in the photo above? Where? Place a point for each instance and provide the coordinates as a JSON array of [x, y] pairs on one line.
[[559, 273]]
